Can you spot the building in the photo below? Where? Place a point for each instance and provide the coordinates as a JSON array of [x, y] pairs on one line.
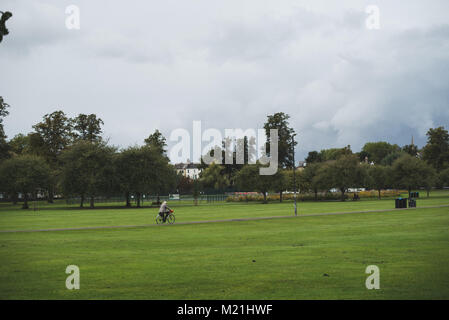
[[189, 169], [301, 165]]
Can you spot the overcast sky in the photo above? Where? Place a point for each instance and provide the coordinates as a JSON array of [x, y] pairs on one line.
[[142, 65]]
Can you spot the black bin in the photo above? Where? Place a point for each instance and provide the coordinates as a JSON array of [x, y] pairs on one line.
[[412, 203], [401, 203]]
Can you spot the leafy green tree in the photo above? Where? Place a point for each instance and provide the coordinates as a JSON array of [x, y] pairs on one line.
[[87, 170], [281, 182], [290, 184], [52, 135], [334, 153], [87, 127], [343, 173], [4, 147], [214, 177], [184, 185], [286, 143], [436, 151], [313, 157], [143, 170], [410, 172], [157, 141], [249, 179], [379, 178], [443, 178], [26, 174], [310, 180], [20, 144], [430, 180], [392, 157], [377, 151], [411, 149]]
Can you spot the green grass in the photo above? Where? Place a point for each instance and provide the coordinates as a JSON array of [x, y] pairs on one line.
[[215, 261], [61, 216]]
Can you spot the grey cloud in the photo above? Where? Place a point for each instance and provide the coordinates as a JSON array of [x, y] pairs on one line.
[[156, 65]]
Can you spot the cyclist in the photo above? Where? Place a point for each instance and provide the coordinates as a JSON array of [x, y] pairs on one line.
[[164, 210]]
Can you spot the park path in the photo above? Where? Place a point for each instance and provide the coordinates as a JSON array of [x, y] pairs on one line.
[[217, 221]]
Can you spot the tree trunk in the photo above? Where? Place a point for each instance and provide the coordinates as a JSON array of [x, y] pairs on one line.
[[25, 201], [92, 201], [50, 195], [264, 197], [128, 201], [280, 196], [342, 194], [138, 199], [316, 194], [428, 193], [82, 201], [379, 193], [14, 198]]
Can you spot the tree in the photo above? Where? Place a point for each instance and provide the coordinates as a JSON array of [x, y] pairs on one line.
[[214, 177], [392, 157], [430, 179], [185, 185], [334, 153], [87, 170], [343, 173], [143, 170], [376, 151], [411, 149], [436, 151], [51, 137], [309, 180], [379, 178], [20, 144], [26, 174], [87, 127], [286, 143], [313, 157], [443, 178], [249, 179], [4, 147], [3, 30], [280, 182], [156, 141], [410, 172]]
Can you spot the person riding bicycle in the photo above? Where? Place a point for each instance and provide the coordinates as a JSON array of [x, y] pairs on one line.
[[164, 210]]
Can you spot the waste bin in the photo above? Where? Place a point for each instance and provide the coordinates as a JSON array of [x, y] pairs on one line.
[[414, 195], [412, 203], [401, 203]]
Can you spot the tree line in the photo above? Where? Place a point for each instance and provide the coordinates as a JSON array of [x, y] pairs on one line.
[[69, 156], [378, 166]]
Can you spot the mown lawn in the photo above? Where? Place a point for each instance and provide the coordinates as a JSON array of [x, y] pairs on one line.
[[59, 215], [270, 259]]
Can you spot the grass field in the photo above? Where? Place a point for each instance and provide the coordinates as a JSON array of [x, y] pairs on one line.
[[313, 257]]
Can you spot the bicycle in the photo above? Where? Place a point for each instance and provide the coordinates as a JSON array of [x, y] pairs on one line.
[[170, 218]]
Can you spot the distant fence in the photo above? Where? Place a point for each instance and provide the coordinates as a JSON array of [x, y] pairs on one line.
[[146, 200]]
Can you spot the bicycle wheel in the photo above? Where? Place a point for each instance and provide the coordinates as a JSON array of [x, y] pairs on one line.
[[159, 219], [171, 218]]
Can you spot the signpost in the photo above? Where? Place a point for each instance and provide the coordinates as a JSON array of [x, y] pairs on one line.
[[294, 173]]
